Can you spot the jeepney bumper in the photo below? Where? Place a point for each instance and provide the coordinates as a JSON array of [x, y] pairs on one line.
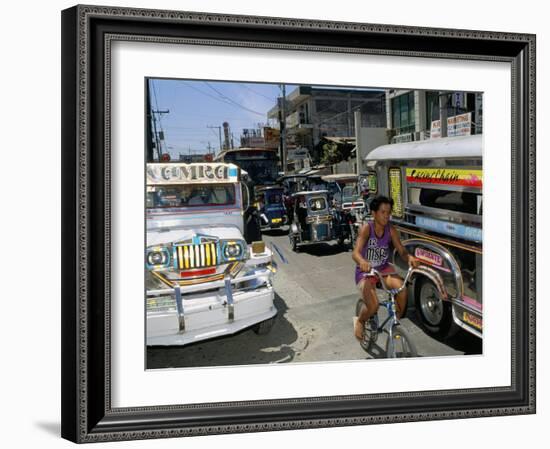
[[184, 315]]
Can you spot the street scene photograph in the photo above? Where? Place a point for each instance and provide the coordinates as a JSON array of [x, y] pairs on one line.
[[292, 223]]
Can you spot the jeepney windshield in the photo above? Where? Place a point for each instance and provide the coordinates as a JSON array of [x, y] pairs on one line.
[[190, 195], [317, 203]]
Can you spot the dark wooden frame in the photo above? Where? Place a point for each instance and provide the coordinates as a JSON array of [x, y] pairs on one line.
[[87, 32]]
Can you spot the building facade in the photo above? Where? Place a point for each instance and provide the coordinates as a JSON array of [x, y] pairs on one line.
[[312, 113], [419, 114]]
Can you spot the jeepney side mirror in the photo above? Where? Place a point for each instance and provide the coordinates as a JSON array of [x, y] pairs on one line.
[[246, 194]]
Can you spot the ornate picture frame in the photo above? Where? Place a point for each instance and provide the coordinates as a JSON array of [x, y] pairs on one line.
[[88, 33]]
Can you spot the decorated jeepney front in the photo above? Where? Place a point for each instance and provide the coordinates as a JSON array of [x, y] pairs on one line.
[[202, 279], [436, 187]]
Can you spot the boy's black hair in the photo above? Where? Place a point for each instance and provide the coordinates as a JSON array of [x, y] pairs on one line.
[[379, 200]]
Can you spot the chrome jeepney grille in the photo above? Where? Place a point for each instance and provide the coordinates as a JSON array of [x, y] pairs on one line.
[[196, 255]]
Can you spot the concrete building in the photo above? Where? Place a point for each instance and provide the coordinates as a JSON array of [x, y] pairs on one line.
[[312, 113], [419, 114]]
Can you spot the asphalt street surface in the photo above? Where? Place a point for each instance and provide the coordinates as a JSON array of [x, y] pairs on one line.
[[316, 298]]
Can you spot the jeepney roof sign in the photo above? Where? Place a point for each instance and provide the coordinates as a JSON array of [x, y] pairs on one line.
[[448, 176], [340, 177], [444, 148], [311, 192], [179, 173]]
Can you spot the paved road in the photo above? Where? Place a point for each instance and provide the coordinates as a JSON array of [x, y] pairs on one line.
[[316, 298]]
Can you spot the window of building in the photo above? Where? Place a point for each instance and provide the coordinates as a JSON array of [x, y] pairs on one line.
[[330, 106], [403, 113], [457, 103], [432, 108]]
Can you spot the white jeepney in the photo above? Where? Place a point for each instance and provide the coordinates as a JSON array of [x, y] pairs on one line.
[[202, 279]]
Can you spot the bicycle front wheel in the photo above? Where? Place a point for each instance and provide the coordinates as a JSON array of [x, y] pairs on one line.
[[400, 345]]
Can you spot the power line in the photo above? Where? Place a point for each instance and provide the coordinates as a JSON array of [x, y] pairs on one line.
[[208, 95], [224, 100], [257, 93], [233, 101]]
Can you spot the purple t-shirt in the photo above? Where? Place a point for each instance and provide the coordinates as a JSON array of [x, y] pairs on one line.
[[376, 251]]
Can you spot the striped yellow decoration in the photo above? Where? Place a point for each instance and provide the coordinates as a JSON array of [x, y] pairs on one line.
[[191, 257], [213, 249], [187, 257], [207, 251], [180, 257]]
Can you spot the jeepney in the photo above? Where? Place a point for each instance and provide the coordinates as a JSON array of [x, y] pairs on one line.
[[436, 186], [202, 278], [272, 210], [348, 207], [313, 221]]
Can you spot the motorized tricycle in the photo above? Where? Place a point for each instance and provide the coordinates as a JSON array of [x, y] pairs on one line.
[[271, 207], [347, 206], [313, 221]]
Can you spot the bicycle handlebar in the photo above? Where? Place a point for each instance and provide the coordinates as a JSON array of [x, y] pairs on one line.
[[376, 273]]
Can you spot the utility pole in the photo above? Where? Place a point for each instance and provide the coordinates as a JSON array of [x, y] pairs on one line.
[[219, 128], [282, 124], [358, 152], [443, 96], [159, 135], [149, 131]]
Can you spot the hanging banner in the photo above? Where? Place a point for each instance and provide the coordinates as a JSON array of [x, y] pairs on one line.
[[458, 125]]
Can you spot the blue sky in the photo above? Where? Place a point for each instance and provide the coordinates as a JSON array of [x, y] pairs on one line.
[[195, 105]]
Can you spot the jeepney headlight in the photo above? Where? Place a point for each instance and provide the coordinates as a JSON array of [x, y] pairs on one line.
[[233, 250], [158, 257]]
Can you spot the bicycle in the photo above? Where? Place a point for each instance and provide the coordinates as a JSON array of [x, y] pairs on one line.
[[397, 336]]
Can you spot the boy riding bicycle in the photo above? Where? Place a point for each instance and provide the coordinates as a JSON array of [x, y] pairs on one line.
[[372, 250]]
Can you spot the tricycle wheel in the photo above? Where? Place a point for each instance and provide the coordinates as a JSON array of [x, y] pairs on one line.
[[293, 242]]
